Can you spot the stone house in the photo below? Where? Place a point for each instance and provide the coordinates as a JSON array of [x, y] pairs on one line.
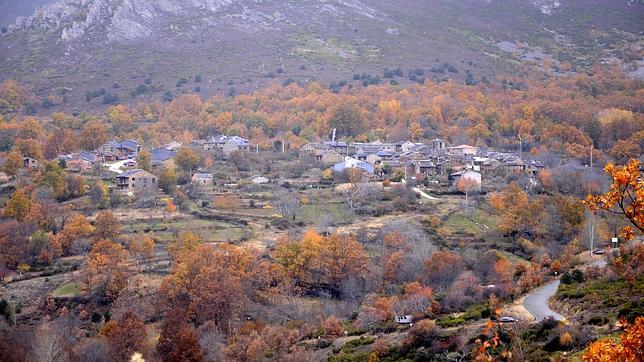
[[137, 180]]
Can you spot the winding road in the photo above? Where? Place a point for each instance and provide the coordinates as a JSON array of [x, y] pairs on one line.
[[536, 302]]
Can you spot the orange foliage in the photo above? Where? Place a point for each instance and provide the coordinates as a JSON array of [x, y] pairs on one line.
[[625, 196], [630, 348]]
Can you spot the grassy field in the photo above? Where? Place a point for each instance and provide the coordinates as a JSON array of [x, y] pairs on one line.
[[66, 290], [473, 222]]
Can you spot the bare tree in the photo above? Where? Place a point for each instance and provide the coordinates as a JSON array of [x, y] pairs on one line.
[[48, 345], [353, 289], [466, 185], [288, 203], [212, 341], [94, 350]]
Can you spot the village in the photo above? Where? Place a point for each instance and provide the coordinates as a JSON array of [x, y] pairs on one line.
[[434, 165]]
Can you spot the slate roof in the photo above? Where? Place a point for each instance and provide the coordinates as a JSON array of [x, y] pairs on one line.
[[161, 154]]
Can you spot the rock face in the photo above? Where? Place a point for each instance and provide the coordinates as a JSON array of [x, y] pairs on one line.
[[546, 6], [123, 20]]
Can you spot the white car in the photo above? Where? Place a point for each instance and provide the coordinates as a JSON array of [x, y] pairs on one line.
[[508, 320]]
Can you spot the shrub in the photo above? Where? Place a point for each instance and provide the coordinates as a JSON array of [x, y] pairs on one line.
[[287, 81], [323, 343], [5, 309], [578, 276], [450, 321], [631, 310], [198, 78], [566, 278], [110, 98]]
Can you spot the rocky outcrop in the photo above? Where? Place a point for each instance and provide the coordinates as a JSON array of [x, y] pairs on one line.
[[546, 6], [123, 20]]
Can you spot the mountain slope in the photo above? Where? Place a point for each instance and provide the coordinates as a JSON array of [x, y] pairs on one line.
[[120, 45]]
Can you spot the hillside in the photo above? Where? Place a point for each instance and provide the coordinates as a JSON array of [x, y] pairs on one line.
[[148, 49]]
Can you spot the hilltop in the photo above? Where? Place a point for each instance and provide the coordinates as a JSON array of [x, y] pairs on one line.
[[73, 51]]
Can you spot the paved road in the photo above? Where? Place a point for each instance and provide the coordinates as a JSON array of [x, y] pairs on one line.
[[536, 302], [116, 166]]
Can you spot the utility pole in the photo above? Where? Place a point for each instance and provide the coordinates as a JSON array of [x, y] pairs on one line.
[[592, 215], [520, 146]]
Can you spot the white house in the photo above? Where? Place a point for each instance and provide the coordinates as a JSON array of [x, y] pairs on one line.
[[464, 150], [466, 174]]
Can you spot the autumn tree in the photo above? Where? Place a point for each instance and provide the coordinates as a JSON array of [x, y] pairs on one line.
[[107, 225], [29, 148], [442, 268], [326, 261], [519, 214], [106, 270], [168, 180], [77, 228], [125, 336], [630, 347], [208, 283], [187, 159], [100, 195], [625, 196], [144, 160], [346, 119], [120, 117], [466, 185], [53, 177], [12, 96], [12, 164], [18, 205], [92, 136], [142, 247], [178, 340], [61, 141]]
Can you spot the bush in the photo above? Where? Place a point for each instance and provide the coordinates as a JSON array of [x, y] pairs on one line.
[[198, 78], [631, 310], [597, 320], [110, 98], [287, 81], [323, 343], [450, 321], [566, 278], [578, 276], [5, 309]]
